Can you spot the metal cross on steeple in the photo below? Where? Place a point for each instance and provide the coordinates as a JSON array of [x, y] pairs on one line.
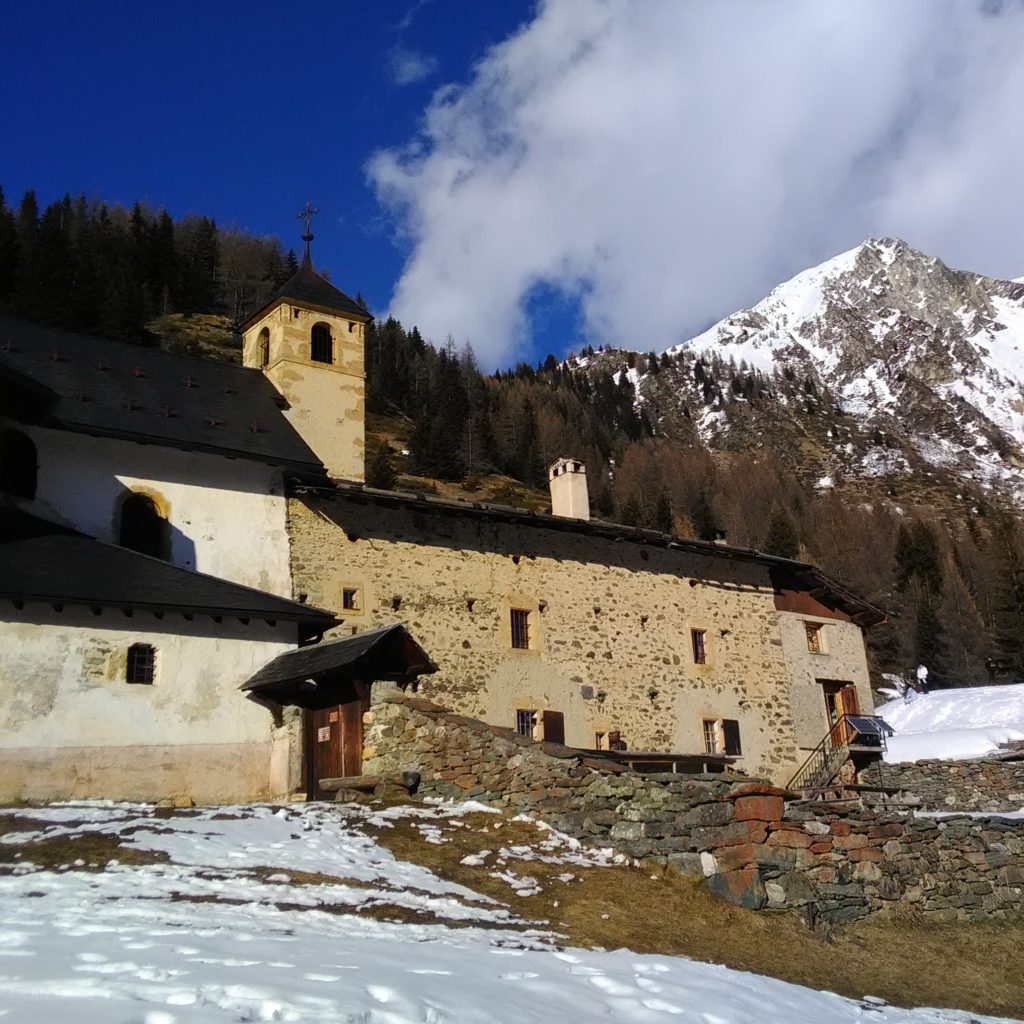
[[308, 212]]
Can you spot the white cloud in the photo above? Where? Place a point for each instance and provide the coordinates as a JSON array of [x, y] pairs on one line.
[[410, 66], [670, 162]]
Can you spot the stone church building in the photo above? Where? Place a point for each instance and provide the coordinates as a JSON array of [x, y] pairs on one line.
[[198, 592]]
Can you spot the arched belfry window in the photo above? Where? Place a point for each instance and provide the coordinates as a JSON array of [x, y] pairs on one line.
[[263, 347], [321, 349], [19, 464], [142, 528]]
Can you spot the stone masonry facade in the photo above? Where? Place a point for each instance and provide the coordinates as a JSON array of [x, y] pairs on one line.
[[985, 784], [832, 865], [609, 623]]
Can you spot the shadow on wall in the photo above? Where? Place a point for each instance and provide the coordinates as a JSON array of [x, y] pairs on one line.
[[142, 522]]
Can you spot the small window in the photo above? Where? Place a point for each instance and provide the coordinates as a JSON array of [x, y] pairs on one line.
[[142, 528], [711, 745], [814, 637], [722, 736], [321, 344], [520, 628], [19, 466], [350, 599], [731, 735], [526, 722], [295, 313], [698, 638], [263, 347], [615, 741], [141, 665], [351, 327], [600, 741]]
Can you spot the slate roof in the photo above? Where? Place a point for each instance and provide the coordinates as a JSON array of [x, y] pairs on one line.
[[41, 561], [310, 289], [387, 652], [115, 389]]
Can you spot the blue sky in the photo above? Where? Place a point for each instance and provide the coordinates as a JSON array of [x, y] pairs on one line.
[[536, 175], [240, 111]]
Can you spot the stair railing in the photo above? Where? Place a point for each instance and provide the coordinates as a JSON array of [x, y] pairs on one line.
[[831, 753]]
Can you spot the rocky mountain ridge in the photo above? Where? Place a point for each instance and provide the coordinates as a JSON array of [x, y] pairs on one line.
[[881, 365]]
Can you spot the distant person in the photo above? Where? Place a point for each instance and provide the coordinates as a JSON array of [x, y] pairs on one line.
[[922, 678], [990, 668]]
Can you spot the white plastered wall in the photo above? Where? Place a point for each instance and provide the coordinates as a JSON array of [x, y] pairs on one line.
[[228, 517], [71, 726]]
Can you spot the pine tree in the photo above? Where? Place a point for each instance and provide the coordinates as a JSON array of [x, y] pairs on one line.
[[380, 468], [782, 538]]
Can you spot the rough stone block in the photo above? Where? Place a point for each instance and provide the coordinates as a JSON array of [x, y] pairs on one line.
[[759, 808], [744, 888]]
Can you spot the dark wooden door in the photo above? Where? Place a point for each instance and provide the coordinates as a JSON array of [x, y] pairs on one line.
[[334, 745]]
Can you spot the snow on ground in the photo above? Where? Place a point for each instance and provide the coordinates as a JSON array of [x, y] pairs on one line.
[[954, 724], [265, 914]]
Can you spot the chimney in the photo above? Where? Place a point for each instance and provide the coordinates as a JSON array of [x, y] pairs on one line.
[[568, 481]]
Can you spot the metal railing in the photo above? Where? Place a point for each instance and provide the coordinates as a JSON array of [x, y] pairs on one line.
[[865, 732]]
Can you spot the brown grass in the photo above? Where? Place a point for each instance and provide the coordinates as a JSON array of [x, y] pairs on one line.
[[95, 849], [903, 959]]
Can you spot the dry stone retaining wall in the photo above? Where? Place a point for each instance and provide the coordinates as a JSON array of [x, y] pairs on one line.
[[986, 784], [738, 833]]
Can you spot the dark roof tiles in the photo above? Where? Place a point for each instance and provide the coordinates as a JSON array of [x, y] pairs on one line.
[[308, 288], [116, 389]]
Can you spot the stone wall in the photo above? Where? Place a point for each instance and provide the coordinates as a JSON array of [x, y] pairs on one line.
[[986, 784], [609, 626], [737, 832]]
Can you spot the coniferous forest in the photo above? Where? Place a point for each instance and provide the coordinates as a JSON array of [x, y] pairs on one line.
[[952, 582]]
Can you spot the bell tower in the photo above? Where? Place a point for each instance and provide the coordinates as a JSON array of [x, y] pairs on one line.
[[308, 338]]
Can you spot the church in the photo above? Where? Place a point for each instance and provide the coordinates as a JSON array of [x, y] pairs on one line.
[[198, 592]]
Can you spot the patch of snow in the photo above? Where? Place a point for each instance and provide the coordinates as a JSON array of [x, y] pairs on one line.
[[954, 724], [197, 942]]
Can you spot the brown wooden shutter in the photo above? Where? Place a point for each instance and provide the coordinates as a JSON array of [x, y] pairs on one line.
[[554, 727], [731, 731], [615, 741]]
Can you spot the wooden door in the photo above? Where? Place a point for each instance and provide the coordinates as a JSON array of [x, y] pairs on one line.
[[840, 699], [334, 745]]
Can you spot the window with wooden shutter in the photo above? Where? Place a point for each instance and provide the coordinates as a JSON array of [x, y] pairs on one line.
[[526, 722]]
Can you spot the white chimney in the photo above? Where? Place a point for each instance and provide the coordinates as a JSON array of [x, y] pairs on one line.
[[568, 481]]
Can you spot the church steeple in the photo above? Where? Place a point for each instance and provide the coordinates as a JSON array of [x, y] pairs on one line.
[[308, 212], [308, 339]]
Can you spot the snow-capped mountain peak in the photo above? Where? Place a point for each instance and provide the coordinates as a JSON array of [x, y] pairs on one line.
[[928, 354]]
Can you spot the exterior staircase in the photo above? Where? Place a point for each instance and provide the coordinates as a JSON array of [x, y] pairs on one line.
[[859, 739]]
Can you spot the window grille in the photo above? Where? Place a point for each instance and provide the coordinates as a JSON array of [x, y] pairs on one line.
[[526, 722], [321, 344], [520, 628], [699, 640], [711, 736], [141, 666]]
